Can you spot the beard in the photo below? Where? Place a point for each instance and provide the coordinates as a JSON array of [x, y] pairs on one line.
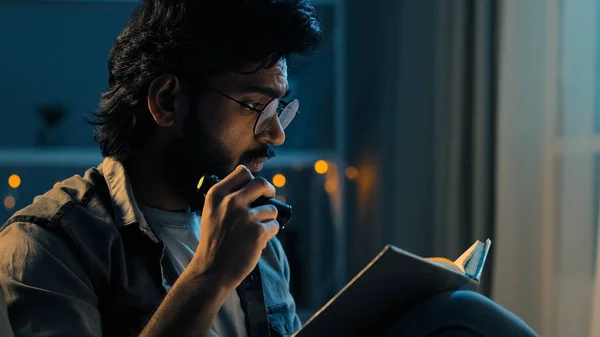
[[196, 154]]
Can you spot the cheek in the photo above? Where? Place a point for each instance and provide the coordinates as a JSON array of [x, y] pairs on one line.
[[237, 139], [234, 134]]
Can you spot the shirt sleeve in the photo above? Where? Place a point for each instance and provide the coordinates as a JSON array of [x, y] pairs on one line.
[[46, 288], [5, 329]]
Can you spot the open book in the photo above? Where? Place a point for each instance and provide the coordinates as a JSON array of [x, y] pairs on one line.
[[389, 286]]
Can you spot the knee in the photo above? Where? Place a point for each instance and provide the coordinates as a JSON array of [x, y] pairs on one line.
[[478, 313], [463, 310], [461, 303]]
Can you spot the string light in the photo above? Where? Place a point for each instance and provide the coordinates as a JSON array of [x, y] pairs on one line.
[[279, 180], [9, 202], [321, 166], [351, 172], [14, 181], [330, 186]]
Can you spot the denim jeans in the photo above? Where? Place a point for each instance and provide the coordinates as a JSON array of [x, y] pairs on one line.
[[459, 314]]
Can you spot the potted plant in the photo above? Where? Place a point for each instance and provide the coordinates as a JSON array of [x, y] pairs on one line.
[[51, 116]]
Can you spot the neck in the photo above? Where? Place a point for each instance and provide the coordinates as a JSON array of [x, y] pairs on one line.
[[149, 183]]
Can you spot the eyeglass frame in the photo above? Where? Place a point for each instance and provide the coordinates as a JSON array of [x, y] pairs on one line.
[[278, 111]]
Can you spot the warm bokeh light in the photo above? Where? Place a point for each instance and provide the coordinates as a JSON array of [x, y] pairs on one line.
[[351, 172], [279, 180], [56, 184], [281, 198], [330, 185], [321, 167], [14, 181], [9, 202]]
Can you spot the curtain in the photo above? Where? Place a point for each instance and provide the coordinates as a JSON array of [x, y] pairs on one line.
[[526, 207], [421, 90], [464, 127]]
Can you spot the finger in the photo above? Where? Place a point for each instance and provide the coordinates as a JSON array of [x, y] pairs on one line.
[[271, 228], [264, 213], [234, 181], [256, 188]]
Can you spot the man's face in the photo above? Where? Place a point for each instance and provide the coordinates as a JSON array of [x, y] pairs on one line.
[[229, 126], [218, 133]]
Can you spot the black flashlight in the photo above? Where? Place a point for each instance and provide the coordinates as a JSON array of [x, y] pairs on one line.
[[284, 211]]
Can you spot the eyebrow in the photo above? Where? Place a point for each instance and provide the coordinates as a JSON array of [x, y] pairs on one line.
[[267, 91]]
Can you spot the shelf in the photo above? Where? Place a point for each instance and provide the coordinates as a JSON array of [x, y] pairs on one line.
[[21, 2], [88, 157]]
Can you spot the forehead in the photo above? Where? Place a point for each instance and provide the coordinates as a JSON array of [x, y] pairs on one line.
[[273, 78]]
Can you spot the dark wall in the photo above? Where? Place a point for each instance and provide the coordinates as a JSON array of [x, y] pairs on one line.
[[54, 53]]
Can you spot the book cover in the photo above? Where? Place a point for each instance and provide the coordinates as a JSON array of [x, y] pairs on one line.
[[392, 283]]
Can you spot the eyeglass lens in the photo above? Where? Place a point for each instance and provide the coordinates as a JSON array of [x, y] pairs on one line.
[[285, 117]]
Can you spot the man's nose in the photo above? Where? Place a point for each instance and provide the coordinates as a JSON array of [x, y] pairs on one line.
[[273, 133]]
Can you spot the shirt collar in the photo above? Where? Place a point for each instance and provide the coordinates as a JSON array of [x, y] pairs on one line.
[[125, 207]]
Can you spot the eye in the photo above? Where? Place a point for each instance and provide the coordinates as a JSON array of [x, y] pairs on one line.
[[254, 105]]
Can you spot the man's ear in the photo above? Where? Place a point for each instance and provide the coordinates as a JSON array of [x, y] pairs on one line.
[[161, 99]]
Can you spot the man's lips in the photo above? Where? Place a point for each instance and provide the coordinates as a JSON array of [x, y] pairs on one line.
[[255, 165]]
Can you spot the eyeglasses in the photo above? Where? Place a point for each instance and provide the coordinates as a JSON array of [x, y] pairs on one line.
[[285, 111]]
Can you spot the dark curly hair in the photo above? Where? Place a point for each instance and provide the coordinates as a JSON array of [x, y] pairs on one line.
[[201, 37]]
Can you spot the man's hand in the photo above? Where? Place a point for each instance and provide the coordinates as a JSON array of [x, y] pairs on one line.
[[232, 234], [232, 237]]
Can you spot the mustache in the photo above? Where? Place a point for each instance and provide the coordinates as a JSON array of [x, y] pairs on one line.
[[266, 152]]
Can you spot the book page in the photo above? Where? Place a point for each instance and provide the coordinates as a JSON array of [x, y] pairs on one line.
[[444, 262], [466, 256]]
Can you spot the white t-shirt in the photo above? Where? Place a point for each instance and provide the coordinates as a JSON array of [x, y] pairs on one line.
[[180, 233]]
